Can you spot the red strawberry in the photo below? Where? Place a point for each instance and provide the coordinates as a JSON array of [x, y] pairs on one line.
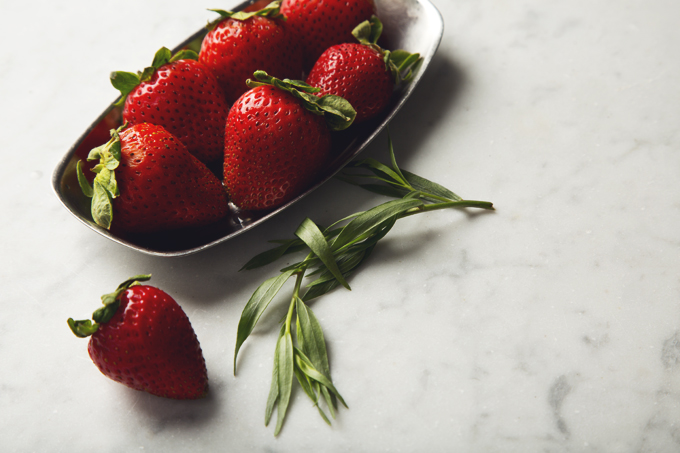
[[147, 181], [277, 141], [363, 73], [244, 42], [180, 94], [143, 339], [325, 23]]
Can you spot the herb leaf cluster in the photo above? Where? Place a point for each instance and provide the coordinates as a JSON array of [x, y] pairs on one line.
[[333, 254]]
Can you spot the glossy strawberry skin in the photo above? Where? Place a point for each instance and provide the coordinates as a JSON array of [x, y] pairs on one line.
[[185, 98], [321, 24], [357, 73], [162, 186], [150, 345], [235, 49], [274, 149]]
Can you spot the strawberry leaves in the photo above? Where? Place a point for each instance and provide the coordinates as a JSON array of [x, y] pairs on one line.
[[111, 302], [125, 82], [401, 64], [338, 112], [104, 188], [271, 11], [334, 253]]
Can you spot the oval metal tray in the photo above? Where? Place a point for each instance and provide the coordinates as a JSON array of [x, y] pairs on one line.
[[413, 25]]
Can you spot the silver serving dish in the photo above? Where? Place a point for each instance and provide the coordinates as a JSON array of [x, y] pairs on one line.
[[413, 25]]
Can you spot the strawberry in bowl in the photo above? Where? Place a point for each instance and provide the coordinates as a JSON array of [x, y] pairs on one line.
[[362, 72], [180, 94], [146, 181], [278, 138]]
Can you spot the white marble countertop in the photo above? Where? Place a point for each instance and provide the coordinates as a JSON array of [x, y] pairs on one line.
[[552, 324]]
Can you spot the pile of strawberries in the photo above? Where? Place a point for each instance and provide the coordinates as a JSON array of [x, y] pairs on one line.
[[241, 104]]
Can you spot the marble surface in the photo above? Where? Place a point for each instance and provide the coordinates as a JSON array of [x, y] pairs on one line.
[[552, 324]]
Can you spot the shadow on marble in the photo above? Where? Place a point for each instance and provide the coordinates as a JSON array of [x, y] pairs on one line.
[[439, 91], [158, 414]]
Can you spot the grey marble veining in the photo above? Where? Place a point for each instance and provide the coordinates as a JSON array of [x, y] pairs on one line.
[[549, 325]]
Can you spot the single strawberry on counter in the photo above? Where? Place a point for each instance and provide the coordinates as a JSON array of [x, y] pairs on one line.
[[321, 24], [180, 94], [143, 339], [363, 72], [278, 139], [240, 43], [146, 181]]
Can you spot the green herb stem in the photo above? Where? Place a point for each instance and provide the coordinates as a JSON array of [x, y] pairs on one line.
[[448, 204], [296, 295]]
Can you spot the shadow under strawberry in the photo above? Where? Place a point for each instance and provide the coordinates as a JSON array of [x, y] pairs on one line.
[[161, 414]]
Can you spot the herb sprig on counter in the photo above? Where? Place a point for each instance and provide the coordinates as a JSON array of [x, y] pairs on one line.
[[333, 254]]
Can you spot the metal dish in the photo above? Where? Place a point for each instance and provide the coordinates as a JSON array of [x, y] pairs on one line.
[[413, 25]]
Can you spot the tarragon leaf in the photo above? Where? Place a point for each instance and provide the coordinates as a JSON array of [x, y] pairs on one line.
[[314, 345], [257, 304], [285, 378], [308, 368], [311, 235], [372, 218], [388, 191], [346, 263], [306, 385], [383, 171], [274, 389], [393, 159], [427, 186], [271, 255]]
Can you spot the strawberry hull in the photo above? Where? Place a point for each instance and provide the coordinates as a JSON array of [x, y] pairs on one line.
[[415, 25]]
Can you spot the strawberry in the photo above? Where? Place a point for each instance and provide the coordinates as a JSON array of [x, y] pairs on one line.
[[180, 94], [321, 24], [148, 179], [143, 339], [278, 139], [243, 42], [363, 73]]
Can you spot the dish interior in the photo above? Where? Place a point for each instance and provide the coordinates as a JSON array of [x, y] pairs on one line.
[[413, 25]]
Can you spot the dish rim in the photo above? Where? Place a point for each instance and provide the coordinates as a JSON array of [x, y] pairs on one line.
[[348, 154]]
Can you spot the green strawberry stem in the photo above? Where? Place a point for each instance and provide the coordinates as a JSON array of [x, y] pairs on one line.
[[401, 64], [272, 11], [337, 111], [104, 188], [125, 82], [84, 328]]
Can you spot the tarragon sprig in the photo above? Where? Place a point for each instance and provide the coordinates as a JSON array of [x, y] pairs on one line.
[[333, 253]]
